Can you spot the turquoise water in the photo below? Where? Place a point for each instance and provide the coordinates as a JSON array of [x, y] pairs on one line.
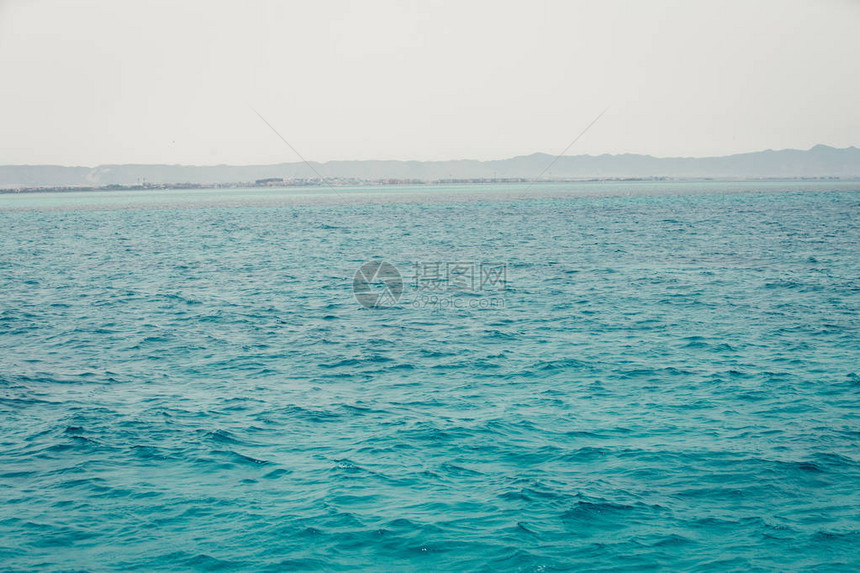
[[672, 380]]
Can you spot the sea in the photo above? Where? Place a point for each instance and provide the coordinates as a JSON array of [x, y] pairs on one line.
[[602, 376]]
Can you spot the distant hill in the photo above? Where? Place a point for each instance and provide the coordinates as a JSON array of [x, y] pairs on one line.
[[820, 161]]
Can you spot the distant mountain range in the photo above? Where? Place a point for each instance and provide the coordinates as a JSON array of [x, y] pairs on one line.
[[820, 161]]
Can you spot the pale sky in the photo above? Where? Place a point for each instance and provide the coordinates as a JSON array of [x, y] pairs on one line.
[[88, 83]]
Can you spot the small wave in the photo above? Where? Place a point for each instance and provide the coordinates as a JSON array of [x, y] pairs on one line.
[[239, 459]]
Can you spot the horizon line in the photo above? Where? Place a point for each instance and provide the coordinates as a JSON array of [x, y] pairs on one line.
[[817, 145]]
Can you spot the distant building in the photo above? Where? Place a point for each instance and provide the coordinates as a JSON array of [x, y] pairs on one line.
[[269, 181]]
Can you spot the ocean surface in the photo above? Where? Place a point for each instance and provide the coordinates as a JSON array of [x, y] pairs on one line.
[[666, 378]]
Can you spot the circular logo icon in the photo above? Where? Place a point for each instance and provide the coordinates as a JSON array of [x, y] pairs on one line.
[[377, 284]]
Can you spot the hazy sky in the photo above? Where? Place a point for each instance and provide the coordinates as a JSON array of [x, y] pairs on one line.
[[87, 83]]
